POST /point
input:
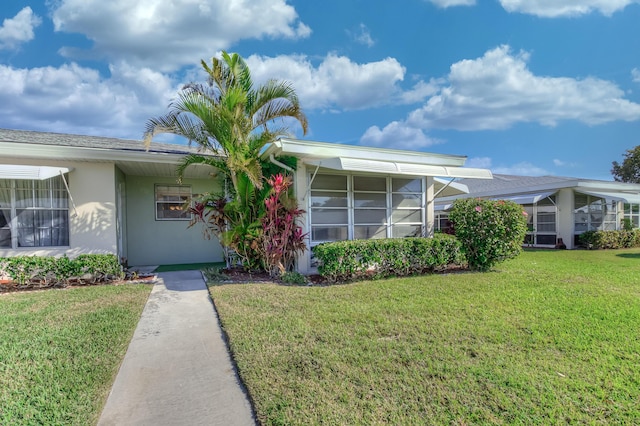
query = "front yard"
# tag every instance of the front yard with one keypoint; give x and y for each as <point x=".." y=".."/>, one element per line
<point x="550" y="337"/>
<point x="61" y="349"/>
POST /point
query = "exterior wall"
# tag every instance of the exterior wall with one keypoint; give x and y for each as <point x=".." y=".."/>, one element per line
<point x="92" y="225"/>
<point x="303" y="261"/>
<point x="153" y="242"/>
<point x="121" y="209"/>
<point x="565" y="221"/>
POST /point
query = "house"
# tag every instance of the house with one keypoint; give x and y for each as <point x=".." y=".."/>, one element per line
<point x="557" y="207"/>
<point x="71" y="194"/>
<point x="355" y="192"/>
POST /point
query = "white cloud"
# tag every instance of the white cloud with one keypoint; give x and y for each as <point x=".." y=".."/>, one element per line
<point x="19" y="29"/>
<point x="635" y="75"/>
<point x="497" y="91"/>
<point x="397" y="135"/>
<point x="478" y="162"/>
<point x="165" y="35"/>
<point x="420" y="91"/>
<point x="336" y="83"/>
<point x="449" y="3"/>
<point x="558" y="163"/>
<point x="362" y="35"/>
<point x="558" y="8"/>
<point x="78" y="100"/>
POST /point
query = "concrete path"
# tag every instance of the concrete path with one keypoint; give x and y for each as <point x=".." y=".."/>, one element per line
<point x="177" y="370"/>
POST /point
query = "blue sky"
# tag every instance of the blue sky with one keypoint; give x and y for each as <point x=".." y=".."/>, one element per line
<point x="528" y="87"/>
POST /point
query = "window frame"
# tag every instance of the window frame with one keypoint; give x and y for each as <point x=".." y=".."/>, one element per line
<point x="185" y="214"/>
<point x="387" y="227"/>
<point x="55" y="201"/>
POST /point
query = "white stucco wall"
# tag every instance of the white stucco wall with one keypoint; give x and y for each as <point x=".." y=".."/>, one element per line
<point x="92" y="224"/>
<point x="153" y="242"/>
<point x="564" y="203"/>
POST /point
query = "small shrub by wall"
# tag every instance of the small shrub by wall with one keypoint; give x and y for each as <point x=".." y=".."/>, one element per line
<point x="610" y="239"/>
<point x="490" y="231"/>
<point x="45" y="271"/>
<point x="370" y="259"/>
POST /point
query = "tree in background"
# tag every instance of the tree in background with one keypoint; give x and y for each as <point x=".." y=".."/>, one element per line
<point x="629" y="170"/>
<point x="231" y="120"/>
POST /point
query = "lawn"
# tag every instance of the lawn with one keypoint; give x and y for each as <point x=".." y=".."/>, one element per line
<point x="550" y="337"/>
<point x="61" y="349"/>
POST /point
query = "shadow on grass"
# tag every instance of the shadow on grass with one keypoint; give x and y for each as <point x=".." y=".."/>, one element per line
<point x="629" y="255"/>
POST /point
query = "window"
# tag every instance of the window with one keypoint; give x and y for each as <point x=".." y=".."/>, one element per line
<point x="365" y="207"/>
<point x="594" y="214"/>
<point x="541" y="222"/>
<point x="34" y="213"/>
<point x="632" y="212"/>
<point x="171" y="201"/>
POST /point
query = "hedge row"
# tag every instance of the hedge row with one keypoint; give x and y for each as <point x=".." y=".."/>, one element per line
<point x="370" y="259"/>
<point x="611" y="239"/>
<point x="48" y="271"/>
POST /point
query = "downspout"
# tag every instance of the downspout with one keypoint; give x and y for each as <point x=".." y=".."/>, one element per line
<point x="279" y="163"/>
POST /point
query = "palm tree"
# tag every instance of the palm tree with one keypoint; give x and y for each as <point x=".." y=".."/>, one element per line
<point x="232" y="119"/>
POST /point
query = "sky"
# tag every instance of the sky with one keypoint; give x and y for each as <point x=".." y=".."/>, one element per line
<point x="528" y="87"/>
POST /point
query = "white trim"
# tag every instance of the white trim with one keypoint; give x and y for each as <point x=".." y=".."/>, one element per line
<point x="24" y="172"/>
<point x="616" y="196"/>
<point x="526" y="198"/>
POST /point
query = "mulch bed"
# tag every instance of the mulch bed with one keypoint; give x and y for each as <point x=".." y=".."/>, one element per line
<point x="35" y="285"/>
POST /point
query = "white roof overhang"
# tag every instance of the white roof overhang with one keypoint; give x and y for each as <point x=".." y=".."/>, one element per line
<point x="399" y="168"/>
<point x="616" y="196"/>
<point x="526" y="198"/>
<point x="14" y="171"/>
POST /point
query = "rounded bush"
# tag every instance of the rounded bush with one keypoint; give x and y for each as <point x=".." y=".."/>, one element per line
<point x="490" y="231"/>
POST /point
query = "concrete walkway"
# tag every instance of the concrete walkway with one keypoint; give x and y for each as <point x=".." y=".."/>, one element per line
<point x="177" y="370"/>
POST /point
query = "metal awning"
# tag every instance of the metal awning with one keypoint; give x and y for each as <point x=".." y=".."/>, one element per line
<point x="526" y="198"/>
<point x="13" y="171"/>
<point x="616" y="196"/>
<point x="399" y="168"/>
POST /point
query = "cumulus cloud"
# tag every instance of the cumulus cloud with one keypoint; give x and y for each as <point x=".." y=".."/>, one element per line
<point x="75" y="99"/>
<point x="635" y="75"/>
<point x="497" y="91"/>
<point x="449" y="3"/>
<point x="560" y="8"/>
<point x="336" y="83"/>
<point x="398" y="135"/>
<point x="167" y="35"/>
<point x="18" y="29"/>
<point x="479" y="162"/>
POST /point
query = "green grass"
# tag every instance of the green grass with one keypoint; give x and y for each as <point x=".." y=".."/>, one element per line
<point x="61" y="349"/>
<point x="189" y="266"/>
<point x="550" y="337"/>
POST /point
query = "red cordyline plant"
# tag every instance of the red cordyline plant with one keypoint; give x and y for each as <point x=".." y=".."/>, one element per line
<point x="283" y="238"/>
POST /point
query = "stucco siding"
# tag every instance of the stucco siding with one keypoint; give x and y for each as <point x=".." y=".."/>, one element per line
<point x="155" y="242"/>
<point x="92" y="224"/>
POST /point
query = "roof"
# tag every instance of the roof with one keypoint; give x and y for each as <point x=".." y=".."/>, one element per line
<point x="131" y="156"/>
<point x="512" y="186"/>
<point x="91" y="142"/>
<point x="375" y="160"/>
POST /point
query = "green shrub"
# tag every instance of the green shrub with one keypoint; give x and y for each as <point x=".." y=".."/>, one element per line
<point x="49" y="270"/>
<point x="370" y="259"/>
<point x="293" y="278"/>
<point x="490" y="231"/>
<point x="610" y="239"/>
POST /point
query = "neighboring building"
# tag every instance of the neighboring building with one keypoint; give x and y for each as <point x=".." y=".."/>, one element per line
<point x="71" y="194"/>
<point x="558" y="207"/>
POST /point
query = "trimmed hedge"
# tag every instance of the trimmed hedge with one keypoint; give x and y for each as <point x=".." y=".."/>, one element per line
<point x="610" y="239"/>
<point x="371" y="259"/>
<point x="48" y="271"/>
